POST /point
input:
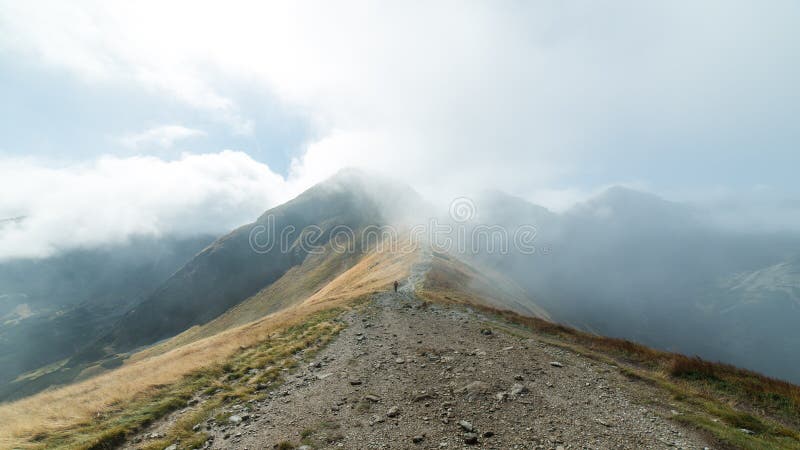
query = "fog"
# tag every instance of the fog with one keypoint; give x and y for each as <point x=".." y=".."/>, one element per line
<point x="549" y="102"/>
<point x="632" y="265"/>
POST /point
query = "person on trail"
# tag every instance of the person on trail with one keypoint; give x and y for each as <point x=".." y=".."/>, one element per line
<point x="395" y="285"/>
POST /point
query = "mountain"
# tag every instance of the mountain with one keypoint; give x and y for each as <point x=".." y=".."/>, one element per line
<point x="50" y="308"/>
<point x="305" y="341"/>
<point x="252" y="257"/>
<point x="351" y="362"/>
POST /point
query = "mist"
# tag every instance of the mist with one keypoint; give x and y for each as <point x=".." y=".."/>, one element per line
<point x="629" y="264"/>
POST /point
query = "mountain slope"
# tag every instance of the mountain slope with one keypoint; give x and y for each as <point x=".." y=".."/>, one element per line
<point x="51" y="308"/>
<point x="231" y="270"/>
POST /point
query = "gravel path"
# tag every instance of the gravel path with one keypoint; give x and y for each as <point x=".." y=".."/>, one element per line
<point x="407" y="375"/>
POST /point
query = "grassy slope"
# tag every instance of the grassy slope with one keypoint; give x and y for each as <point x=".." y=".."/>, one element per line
<point x="295" y="286"/>
<point x="100" y="410"/>
<point x="717" y="398"/>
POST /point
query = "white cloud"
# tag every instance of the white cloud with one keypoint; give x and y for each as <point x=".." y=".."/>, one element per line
<point x="162" y="137"/>
<point x="482" y="88"/>
<point x="112" y="199"/>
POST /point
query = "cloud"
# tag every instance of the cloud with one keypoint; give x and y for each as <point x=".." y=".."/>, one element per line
<point x="162" y="137"/>
<point x="550" y="101"/>
<point x="111" y="199"/>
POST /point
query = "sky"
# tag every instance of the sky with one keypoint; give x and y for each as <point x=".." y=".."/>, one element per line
<point x="123" y="118"/>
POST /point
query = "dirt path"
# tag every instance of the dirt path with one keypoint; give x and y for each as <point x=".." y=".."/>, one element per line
<point x="408" y="376"/>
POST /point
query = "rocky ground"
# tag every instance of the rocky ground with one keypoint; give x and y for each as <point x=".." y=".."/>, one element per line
<point x="409" y="375"/>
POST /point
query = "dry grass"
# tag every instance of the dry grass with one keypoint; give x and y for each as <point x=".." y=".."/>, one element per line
<point x="146" y="373"/>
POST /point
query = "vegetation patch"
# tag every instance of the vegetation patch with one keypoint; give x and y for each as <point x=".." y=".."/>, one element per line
<point x="208" y="390"/>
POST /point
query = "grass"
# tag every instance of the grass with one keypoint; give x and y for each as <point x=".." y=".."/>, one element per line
<point x="113" y="427"/>
<point x="101" y="410"/>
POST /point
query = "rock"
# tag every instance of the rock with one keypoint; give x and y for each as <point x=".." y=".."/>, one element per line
<point x="394" y="411"/>
<point x="518" y="389"/>
<point x="486" y="331"/>
<point x="355" y="382"/>
<point x="196" y="428"/>
<point x="746" y="431"/>
<point x="234" y="419"/>
<point x="488" y="434"/>
<point x="400" y="360"/>
<point x="466" y="426"/>
<point x="604" y="423"/>
<point x="418" y="439"/>
<point x="475" y="388"/>
<point x="304" y="447"/>
<point x="422" y="397"/>
<point x="518" y="378"/>
<point x="171" y="447"/>
<point x="556" y="364"/>
<point x="372" y="398"/>
<point x="470" y="438"/>
<point x="501" y="396"/>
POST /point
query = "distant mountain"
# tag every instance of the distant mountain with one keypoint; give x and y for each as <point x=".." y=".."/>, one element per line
<point x="633" y="265"/>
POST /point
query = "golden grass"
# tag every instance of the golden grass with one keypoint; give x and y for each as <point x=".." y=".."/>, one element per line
<point x="68" y="407"/>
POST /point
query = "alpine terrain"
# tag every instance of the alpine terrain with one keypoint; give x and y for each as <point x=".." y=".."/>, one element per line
<point x="388" y="340"/>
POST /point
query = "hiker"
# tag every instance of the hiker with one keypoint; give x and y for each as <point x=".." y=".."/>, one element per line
<point x="395" y="285"/>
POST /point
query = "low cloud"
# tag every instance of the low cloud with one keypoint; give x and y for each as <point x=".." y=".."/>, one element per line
<point x="112" y="199"/>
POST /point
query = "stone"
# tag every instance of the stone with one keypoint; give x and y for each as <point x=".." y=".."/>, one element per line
<point x="235" y="419"/>
<point x="556" y="364"/>
<point x="470" y="438"/>
<point x="518" y="389"/>
<point x="466" y="426"/>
